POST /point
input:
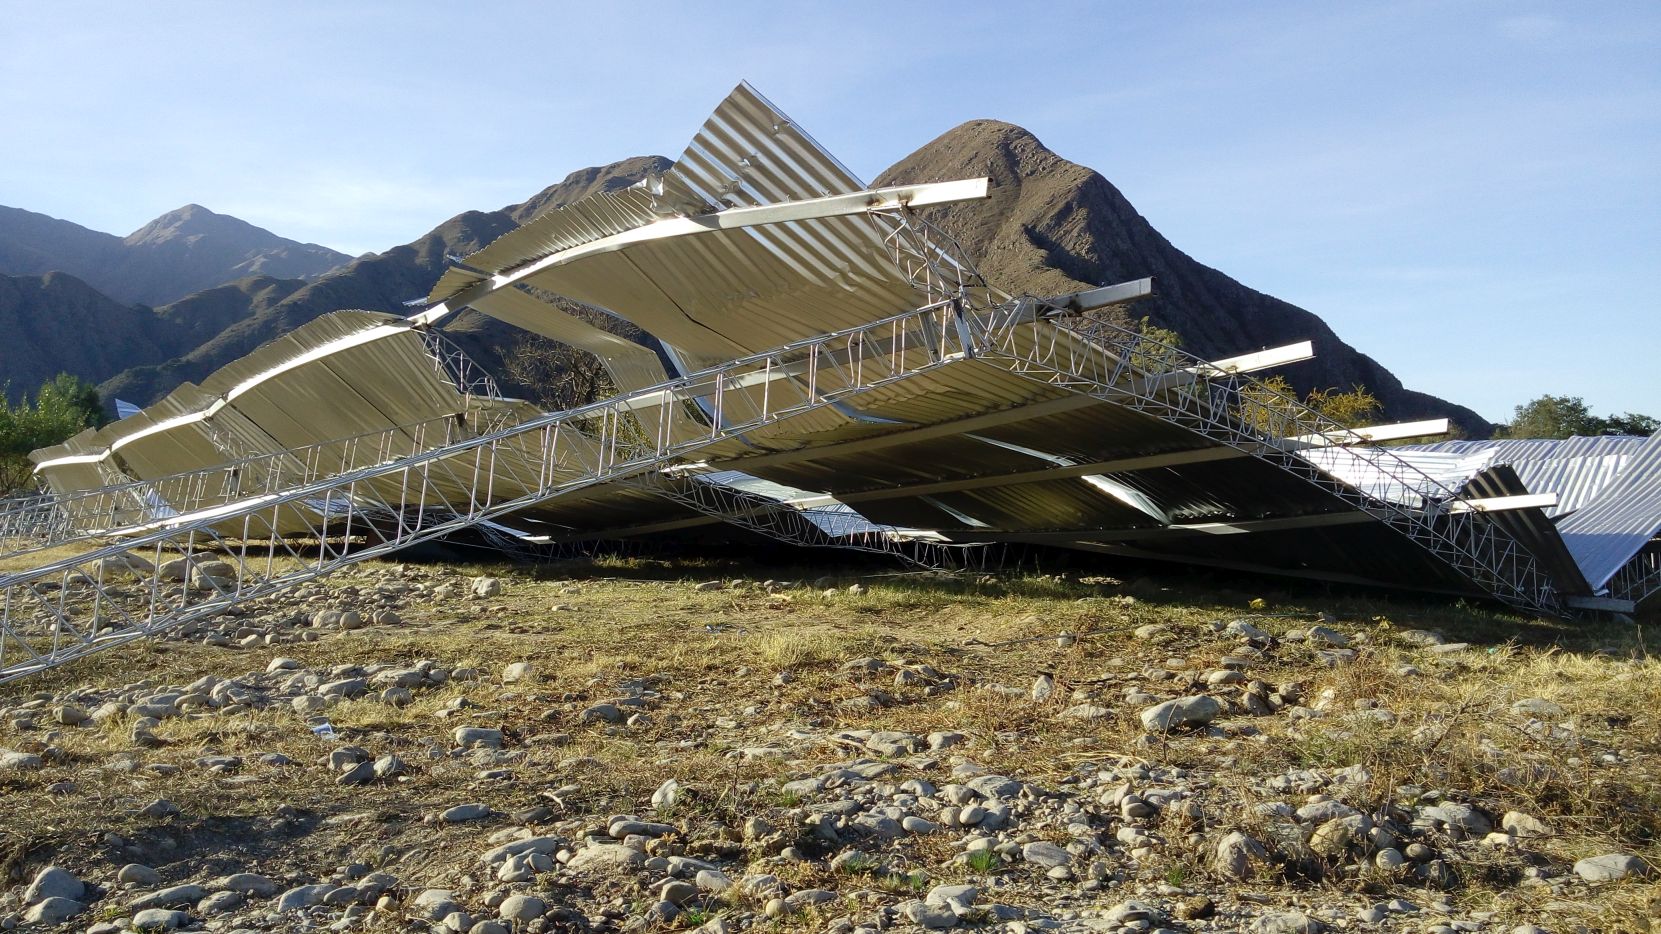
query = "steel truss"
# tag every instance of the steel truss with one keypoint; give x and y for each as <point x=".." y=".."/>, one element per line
<point x="195" y="564"/>
<point x="1640" y="578"/>
<point x="192" y="545"/>
<point x="814" y="528"/>
<point x="1243" y="413"/>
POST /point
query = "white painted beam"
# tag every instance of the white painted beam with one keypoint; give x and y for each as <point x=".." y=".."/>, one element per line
<point x="1260" y="359"/>
<point x="1502" y="503"/>
<point x="1375" y="433"/>
<point x="1092" y="299"/>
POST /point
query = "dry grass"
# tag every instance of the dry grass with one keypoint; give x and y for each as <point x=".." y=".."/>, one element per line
<point x="716" y="652"/>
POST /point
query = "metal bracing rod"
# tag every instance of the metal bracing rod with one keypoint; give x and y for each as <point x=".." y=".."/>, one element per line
<point x="807" y="528"/>
<point x="133" y="507"/>
<point x="1237" y="411"/>
<point x="107" y="596"/>
<point x="1640" y="578"/>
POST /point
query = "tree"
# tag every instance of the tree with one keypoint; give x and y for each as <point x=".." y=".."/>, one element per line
<point x="1567" y="416"/>
<point x="1268" y="403"/>
<point x="63" y="407"/>
<point x="557" y="376"/>
<point x="1164" y="349"/>
<point x="1631" y="424"/>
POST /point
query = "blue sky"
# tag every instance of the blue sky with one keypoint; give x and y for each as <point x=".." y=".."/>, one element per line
<point x="1468" y="191"/>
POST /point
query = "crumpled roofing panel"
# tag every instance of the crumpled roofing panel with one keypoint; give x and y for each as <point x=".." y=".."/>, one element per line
<point x="1626" y="515"/>
<point x="1576" y="469"/>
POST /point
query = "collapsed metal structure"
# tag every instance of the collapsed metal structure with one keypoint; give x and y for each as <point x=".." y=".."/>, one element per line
<point x="844" y="378"/>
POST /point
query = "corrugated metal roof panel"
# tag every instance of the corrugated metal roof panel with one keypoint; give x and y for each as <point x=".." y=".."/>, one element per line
<point x="1626" y="515"/>
<point x="1576" y="469"/>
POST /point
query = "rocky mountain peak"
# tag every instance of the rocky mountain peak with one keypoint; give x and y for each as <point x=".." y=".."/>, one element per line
<point x="1054" y="226"/>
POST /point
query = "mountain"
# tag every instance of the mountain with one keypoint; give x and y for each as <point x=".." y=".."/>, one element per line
<point x="379" y="282"/>
<point x="1052" y="226"/>
<point x="57" y="323"/>
<point x="175" y="255"/>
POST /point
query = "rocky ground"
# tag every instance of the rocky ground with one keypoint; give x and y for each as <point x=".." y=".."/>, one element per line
<point x="630" y="746"/>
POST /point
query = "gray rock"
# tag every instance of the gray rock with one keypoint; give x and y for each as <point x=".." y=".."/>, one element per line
<point x="809" y="898"/>
<point x="1045" y="854"/>
<point x="53" y="882"/>
<point x="914" y="824"/>
<point x="159" y="808"/>
<point x="489" y="927"/>
<point x="1524" y="825"/>
<point x="247" y="883"/>
<point x="136" y="874"/>
<point x="713" y="881"/>
<point x="485" y="587"/>
<point x="1463" y="816"/>
<point x="877" y="825"/>
<point x="177" y="896"/>
<point x="389" y="766"/>
<point x="1285" y="922"/>
<point x="602" y="713"/>
<point x="666" y="794"/>
<point x="521" y="908"/>
<point x="945" y="740"/>
<point x="360" y="774"/>
<point x="70" y="715"/>
<point x="606" y="856"/>
<point x="621" y="829"/>
<point x="435" y="904"/>
<point x="1610" y="867"/>
<point x="543" y="845"/>
<point x="1237" y="854"/>
<point x="345" y="687"/>
<point x="1043" y="687"/>
<point x="995" y="786"/>
<point x="159" y="919"/>
<point x="1195" y="711"/>
<point x="1328" y="636"/>
<point x="933" y="917"/>
<point x="53" y="910"/>
<point x="462" y="813"/>
<point x="678" y="892"/>
<point x="959" y="898"/>
<point x="19" y="761"/>
<point x="302" y="896"/>
<point x="470" y="736"/>
<point x="219" y="903"/>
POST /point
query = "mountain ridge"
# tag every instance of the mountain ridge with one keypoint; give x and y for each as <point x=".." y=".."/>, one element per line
<point x="381" y="282"/>
<point x="1052" y="226"/>
<point x="178" y="254"/>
